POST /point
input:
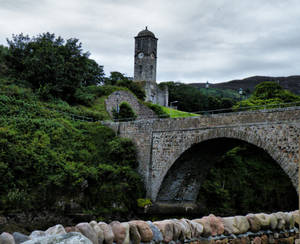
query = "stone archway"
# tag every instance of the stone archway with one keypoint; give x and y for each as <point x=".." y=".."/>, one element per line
<point x="170" y="145"/>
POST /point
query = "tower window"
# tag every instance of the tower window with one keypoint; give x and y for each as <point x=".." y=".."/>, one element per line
<point x="151" y="70"/>
<point x="139" y="44"/>
<point x="140" y="69"/>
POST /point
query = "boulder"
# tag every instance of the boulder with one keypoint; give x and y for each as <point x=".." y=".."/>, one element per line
<point x="253" y="222"/>
<point x="6" y="238"/>
<point x="119" y="232"/>
<point x="135" y="236"/>
<point x="273" y="221"/>
<point x="98" y="230"/>
<point x="37" y="234"/>
<point x="166" y="228"/>
<point x="290" y="220"/>
<point x="69" y="238"/>
<point x="187" y="232"/>
<point x="197" y="229"/>
<point x="88" y="232"/>
<point x="20" y="238"/>
<point x="71" y="229"/>
<point x="242" y="224"/>
<point x="157" y="235"/>
<point x="280" y="220"/>
<point x="144" y="230"/>
<point x="207" y="231"/>
<point x="107" y="232"/>
<point x="127" y="236"/>
<point x="56" y="230"/>
<point x="216" y="225"/>
<point x="177" y="230"/>
<point x="264" y="220"/>
<point x="296" y="216"/>
<point x="230" y="226"/>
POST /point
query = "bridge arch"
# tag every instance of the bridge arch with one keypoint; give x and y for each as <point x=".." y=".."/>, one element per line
<point x="187" y="139"/>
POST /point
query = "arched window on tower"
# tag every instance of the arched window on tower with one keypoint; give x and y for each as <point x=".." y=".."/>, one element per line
<point x="139" y="44"/>
<point x="151" y="70"/>
<point x="140" y="69"/>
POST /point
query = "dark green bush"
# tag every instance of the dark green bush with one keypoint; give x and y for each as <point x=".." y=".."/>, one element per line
<point x="125" y="113"/>
<point x="46" y="163"/>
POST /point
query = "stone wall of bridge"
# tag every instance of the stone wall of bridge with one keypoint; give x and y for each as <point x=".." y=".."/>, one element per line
<point x="160" y="142"/>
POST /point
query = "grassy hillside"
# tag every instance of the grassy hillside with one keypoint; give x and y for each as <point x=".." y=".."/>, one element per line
<point x="50" y="160"/>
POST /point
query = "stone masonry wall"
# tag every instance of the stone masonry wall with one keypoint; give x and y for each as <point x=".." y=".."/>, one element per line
<point x="141" y="110"/>
<point x="161" y="141"/>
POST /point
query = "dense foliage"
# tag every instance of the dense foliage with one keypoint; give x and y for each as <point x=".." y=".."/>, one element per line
<point x="49" y="161"/>
<point x="268" y="94"/>
<point x="125" y="113"/>
<point x="191" y="99"/>
<point x="50" y="65"/>
<point x="246" y="179"/>
<point x="119" y="79"/>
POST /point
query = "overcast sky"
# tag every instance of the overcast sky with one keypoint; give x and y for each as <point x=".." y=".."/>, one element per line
<point x="199" y="40"/>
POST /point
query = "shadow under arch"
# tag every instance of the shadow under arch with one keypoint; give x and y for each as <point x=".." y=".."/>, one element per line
<point x="183" y="180"/>
<point x="261" y="141"/>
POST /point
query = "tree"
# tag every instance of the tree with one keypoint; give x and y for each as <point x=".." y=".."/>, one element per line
<point x="49" y="62"/>
<point x="3" y="65"/>
<point x="119" y="79"/>
<point x="269" y="94"/>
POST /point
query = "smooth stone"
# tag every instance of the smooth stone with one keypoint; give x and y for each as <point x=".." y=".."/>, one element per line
<point x="254" y="222"/>
<point x="71" y="229"/>
<point x="20" y="238"/>
<point x="6" y="238"/>
<point x="230" y="226"/>
<point x="166" y="228"/>
<point x="98" y="230"/>
<point x="107" y="232"/>
<point x="127" y="229"/>
<point x="144" y="230"/>
<point x="135" y="236"/>
<point x="37" y="234"/>
<point x="290" y="220"/>
<point x="206" y="226"/>
<point x="119" y="232"/>
<point x="197" y="229"/>
<point x="242" y="224"/>
<point x="264" y="220"/>
<point x="187" y="232"/>
<point x="56" y="230"/>
<point x="157" y="235"/>
<point x="216" y="225"/>
<point x="88" y="232"/>
<point x="273" y="221"/>
<point x="69" y="238"/>
<point x="280" y="220"/>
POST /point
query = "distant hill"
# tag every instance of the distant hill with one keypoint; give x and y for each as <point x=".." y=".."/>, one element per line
<point x="291" y="83"/>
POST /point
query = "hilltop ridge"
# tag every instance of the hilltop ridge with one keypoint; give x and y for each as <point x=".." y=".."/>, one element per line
<point x="291" y="83"/>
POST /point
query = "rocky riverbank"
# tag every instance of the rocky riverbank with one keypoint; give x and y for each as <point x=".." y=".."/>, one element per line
<point x="253" y="228"/>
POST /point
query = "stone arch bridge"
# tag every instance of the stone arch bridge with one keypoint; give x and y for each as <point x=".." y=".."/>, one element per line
<point x="161" y="142"/>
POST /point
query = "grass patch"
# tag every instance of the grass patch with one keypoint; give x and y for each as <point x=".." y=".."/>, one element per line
<point x="173" y="113"/>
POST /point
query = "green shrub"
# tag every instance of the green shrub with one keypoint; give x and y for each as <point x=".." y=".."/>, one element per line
<point x="143" y="202"/>
<point x="157" y="110"/>
<point x="125" y="113"/>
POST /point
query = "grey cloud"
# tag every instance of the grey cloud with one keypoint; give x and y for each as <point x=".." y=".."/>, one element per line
<point x="199" y="40"/>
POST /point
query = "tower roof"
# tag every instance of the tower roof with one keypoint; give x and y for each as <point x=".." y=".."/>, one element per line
<point x="145" y="32"/>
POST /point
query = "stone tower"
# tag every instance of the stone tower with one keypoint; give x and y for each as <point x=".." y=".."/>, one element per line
<point x="145" y="56"/>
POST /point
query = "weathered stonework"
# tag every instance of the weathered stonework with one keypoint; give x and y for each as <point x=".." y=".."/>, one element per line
<point x="145" y="60"/>
<point x="115" y="100"/>
<point x="160" y="142"/>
